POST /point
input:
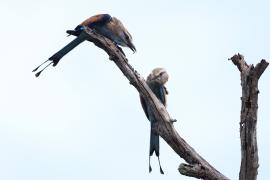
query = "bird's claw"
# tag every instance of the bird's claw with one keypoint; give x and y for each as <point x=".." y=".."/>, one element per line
<point x="173" y="120"/>
<point x="119" y="48"/>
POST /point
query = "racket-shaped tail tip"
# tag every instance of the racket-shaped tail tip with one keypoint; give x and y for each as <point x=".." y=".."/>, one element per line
<point x="150" y="169"/>
<point x="34" y="70"/>
<point x="40" y="65"/>
<point x="37" y="74"/>
<point x="161" y="171"/>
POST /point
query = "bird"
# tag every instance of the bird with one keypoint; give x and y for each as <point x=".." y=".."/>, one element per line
<point x="156" y="81"/>
<point x="104" y="24"/>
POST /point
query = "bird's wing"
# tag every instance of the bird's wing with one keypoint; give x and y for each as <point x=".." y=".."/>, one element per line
<point x="161" y="96"/>
<point x="144" y="106"/>
<point x="99" y="19"/>
<point x="163" y="92"/>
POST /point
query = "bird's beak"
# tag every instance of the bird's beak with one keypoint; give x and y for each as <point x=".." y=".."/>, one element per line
<point x="132" y="47"/>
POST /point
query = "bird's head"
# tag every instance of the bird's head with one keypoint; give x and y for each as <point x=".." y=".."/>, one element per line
<point x="124" y="37"/>
<point x="128" y="41"/>
<point x="159" y="76"/>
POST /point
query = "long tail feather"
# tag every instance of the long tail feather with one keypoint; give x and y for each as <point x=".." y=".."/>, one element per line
<point x="38" y="73"/>
<point x="150" y="168"/>
<point x="154" y="147"/>
<point x="154" y="143"/>
<point x="61" y="53"/>
<point x="40" y="65"/>
<point x="160" y="168"/>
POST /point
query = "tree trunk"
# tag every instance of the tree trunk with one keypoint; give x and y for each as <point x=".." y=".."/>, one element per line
<point x="248" y="120"/>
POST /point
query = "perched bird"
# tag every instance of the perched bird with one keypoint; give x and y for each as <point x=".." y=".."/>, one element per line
<point x="155" y="81"/>
<point x="103" y="24"/>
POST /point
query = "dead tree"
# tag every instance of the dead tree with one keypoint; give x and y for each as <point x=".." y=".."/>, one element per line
<point x="250" y="76"/>
<point x="197" y="166"/>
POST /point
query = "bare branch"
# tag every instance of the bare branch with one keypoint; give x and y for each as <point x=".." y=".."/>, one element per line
<point x="239" y="61"/>
<point x="195" y="170"/>
<point x="248" y="119"/>
<point x="164" y="127"/>
<point x="260" y="67"/>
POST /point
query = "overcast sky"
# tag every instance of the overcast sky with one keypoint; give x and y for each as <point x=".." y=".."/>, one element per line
<point x="83" y="120"/>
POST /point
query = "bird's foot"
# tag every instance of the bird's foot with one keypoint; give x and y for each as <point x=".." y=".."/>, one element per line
<point x="119" y="48"/>
<point x="173" y="120"/>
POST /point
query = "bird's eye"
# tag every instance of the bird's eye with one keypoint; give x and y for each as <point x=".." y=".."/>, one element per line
<point x="161" y="73"/>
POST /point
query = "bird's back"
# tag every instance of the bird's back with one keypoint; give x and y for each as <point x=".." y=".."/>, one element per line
<point x="97" y="20"/>
<point x="113" y="30"/>
<point x="159" y="91"/>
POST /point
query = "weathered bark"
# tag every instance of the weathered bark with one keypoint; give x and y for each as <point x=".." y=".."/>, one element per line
<point x="248" y="120"/>
<point x="164" y="127"/>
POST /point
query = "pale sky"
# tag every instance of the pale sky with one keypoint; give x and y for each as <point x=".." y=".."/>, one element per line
<point x="83" y="120"/>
